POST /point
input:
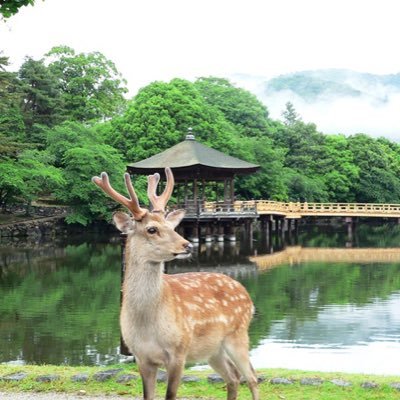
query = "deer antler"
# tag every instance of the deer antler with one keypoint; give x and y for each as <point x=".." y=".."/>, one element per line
<point x="131" y="204"/>
<point x="159" y="202"/>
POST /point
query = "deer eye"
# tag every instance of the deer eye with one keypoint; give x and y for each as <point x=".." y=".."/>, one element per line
<point x="152" y="230"/>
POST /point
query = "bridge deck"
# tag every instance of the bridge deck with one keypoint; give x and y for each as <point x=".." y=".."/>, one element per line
<point x="298" y="210"/>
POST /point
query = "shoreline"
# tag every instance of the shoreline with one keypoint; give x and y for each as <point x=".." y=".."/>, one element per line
<point x="124" y="380"/>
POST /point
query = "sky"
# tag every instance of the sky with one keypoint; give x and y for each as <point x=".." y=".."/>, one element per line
<point x="160" y="40"/>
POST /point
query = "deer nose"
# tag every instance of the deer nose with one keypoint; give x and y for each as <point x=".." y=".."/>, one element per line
<point x="188" y="247"/>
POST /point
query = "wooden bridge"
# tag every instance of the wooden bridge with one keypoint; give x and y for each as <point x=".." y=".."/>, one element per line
<point x="221" y="219"/>
<point x="293" y="255"/>
<point x="291" y="210"/>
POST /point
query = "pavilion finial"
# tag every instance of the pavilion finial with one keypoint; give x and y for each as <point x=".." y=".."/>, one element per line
<point x="190" y="135"/>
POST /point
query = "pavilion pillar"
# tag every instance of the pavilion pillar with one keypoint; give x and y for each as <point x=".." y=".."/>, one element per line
<point x="226" y="191"/>
<point x="195" y="196"/>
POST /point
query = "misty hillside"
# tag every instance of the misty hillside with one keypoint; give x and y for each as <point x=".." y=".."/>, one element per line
<point x="330" y="83"/>
<point x="337" y="100"/>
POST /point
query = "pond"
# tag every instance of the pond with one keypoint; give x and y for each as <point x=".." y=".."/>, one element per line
<point x="322" y="303"/>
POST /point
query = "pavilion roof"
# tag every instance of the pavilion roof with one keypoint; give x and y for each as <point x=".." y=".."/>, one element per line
<point x="190" y="155"/>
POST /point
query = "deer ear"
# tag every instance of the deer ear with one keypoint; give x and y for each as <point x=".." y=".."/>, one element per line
<point x="123" y="222"/>
<point x="175" y="217"/>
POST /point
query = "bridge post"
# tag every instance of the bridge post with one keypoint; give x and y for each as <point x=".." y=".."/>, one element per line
<point x="195" y="237"/>
<point x="350" y="229"/>
<point x="232" y="232"/>
<point x="266" y="228"/>
<point x="248" y="226"/>
<point x="221" y="232"/>
<point x="209" y="236"/>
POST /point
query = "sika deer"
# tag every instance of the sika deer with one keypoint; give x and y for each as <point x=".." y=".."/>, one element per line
<point x="173" y="319"/>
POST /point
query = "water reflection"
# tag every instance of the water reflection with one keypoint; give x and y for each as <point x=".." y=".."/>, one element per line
<point x="60" y="301"/>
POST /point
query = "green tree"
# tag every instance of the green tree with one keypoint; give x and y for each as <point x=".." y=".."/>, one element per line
<point x="159" y="117"/>
<point x="239" y="106"/>
<point x="378" y="181"/>
<point x="77" y="150"/>
<point x="91" y="87"/>
<point x="24" y="179"/>
<point x="82" y="163"/>
<point x="290" y="116"/>
<point x="42" y="102"/>
<point x="11" y="119"/>
<point x="10" y="7"/>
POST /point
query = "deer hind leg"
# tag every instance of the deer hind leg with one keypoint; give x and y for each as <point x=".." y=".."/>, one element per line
<point x="237" y="347"/>
<point x="222" y="364"/>
<point x="148" y="372"/>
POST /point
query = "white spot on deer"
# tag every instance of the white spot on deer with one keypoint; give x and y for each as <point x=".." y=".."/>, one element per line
<point x="191" y="306"/>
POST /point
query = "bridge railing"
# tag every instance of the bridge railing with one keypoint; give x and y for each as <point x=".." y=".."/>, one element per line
<point x="237" y="207"/>
<point x="292" y="209"/>
<point x="323" y="208"/>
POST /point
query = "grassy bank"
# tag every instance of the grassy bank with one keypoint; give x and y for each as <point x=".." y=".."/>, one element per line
<point x="298" y="389"/>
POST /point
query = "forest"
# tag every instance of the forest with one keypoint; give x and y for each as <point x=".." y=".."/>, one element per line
<point x="66" y="117"/>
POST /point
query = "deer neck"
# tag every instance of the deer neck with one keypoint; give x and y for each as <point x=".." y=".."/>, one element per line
<point x="143" y="282"/>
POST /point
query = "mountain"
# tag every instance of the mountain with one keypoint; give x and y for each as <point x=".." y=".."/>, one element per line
<point x="337" y="100"/>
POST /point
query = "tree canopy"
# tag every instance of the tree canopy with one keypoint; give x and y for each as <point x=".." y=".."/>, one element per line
<point x="9" y="8"/>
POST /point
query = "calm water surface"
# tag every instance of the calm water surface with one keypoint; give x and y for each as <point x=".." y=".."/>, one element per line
<point x="322" y="303"/>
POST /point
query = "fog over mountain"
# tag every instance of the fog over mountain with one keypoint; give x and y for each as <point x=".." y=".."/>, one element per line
<point x="338" y="101"/>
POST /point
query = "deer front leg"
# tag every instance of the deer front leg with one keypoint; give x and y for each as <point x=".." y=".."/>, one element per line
<point x="174" y="370"/>
<point x="148" y="372"/>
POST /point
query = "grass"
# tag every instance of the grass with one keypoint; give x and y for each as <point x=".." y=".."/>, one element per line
<point x="203" y="389"/>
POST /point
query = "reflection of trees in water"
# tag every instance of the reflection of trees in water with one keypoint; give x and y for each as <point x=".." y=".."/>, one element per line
<point x="300" y="292"/>
<point x="60" y="302"/>
<point x="74" y="305"/>
<point x="371" y="234"/>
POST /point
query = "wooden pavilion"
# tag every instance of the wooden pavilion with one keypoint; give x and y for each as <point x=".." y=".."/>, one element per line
<point x="202" y="174"/>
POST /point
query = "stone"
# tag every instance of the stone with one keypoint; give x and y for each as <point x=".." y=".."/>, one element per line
<point x="369" y="385"/>
<point x="105" y="375"/>
<point x="341" y="382"/>
<point x="190" y="378"/>
<point x="47" y="378"/>
<point x="162" y="376"/>
<point x="80" y="378"/>
<point x="281" y="381"/>
<point x="125" y="378"/>
<point x="395" y="385"/>
<point x="214" y="378"/>
<point x="260" y="379"/>
<point x="15" y="377"/>
<point x="311" y="381"/>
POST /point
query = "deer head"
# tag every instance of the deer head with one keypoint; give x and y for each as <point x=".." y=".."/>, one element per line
<point x="152" y="231"/>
